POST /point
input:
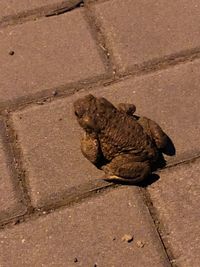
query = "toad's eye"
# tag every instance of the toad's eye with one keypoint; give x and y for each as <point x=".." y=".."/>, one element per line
<point x="79" y="113"/>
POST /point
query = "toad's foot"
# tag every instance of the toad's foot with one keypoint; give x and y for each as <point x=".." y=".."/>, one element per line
<point x="90" y="147"/>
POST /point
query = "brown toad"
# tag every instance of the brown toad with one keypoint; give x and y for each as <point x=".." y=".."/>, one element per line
<point x="124" y="145"/>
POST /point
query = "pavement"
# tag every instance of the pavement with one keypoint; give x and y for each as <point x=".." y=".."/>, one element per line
<point x="55" y="209"/>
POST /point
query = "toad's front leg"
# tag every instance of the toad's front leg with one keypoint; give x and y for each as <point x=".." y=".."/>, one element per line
<point x="90" y="147"/>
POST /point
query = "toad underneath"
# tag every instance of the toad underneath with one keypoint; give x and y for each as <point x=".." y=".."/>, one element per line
<point x="122" y="144"/>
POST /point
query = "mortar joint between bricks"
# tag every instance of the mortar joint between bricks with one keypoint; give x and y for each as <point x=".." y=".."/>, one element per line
<point x="99" y="37"/>
<point x="17" y="160"/>
<point x="47" y="96"/>
<point x="34" y="213"/>
<point x="70" y="89"/>
<point x="156" y="221"/>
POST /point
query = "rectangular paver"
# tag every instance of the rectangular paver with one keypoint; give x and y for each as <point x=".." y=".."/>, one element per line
<point x="87" y="234"/>
<point x="138" y="31"/>
<point x="10" y="195"/>
<point x="50" y="135"/>
<point x="176" y="197"/>
<point x="48" y="53"/>
<point x="51" y="150"/>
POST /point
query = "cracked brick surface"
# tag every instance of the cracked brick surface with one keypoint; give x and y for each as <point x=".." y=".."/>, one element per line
<point x="143" y="31"/>
<point x="48" y="53"/>
<point x="10" y="194"/>
<point x="91" y="232"/>
<point x="176" y="199"/>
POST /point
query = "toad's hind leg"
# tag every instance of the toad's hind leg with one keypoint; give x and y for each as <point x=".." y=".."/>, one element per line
<point x="123" y="167"/>
<point x="155" y="132"/>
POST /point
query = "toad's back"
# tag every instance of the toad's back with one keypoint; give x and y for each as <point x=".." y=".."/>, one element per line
<point x="122" y="134"/>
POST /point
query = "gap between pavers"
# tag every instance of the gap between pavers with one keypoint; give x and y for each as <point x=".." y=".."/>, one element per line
<point x="12" y="203"/>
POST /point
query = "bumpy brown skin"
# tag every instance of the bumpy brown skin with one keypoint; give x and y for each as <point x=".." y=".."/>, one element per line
<point x="128" y="145"/>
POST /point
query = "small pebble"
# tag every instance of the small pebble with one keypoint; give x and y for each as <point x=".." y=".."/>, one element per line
<point x="39" y="103"/>
<point x="127" y="238"/>
<point x="173" y="261"/>
<point x="140" y="244"/>
<point x="75" y="260"/>
<point x="55" y="93"/>
<point x="11" y="52"/>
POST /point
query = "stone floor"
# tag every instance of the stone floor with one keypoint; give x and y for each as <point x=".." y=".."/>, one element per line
<point x="55" y="209"/>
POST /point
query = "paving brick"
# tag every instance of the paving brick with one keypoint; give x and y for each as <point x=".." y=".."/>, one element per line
<point x="139" y="32"/>
<point x="10" y="195"/>
<point x="176" y="198"/>
<point x="91" y="232"/>
<point x="51" y="150"/>
<point x="49" y="134"/>
<point x="49" y="52"/>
